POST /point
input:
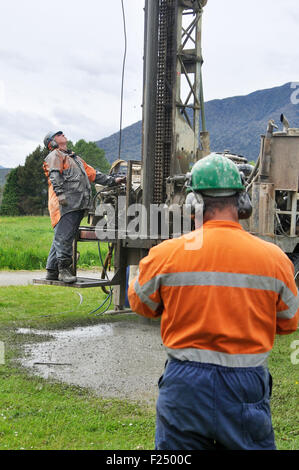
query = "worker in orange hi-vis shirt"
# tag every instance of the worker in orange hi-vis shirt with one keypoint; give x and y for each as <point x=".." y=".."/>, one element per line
<point x="69" y="197"/>
<point x="221" y="303"/>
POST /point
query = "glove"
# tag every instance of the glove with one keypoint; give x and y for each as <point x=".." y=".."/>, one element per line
<point x="122" y="179"/>
<point x="62" y="199"/>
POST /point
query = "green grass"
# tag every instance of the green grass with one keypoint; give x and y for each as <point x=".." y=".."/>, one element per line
<point x="36" y="414"/>
<point x="39" y="415"/>
<point x="285" y="397"/>
<point x="44" y="306"/>
<point x="26" y="241"/>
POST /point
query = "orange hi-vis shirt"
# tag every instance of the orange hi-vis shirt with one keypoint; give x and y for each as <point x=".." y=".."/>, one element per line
<point x="221" y="302"/>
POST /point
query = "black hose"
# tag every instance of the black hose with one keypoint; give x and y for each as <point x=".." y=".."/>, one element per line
<point x="122" y="79"/>
<point x="109" y="296"/>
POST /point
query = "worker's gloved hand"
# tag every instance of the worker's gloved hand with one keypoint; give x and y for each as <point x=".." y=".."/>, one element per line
<point x="120" y="180"/>
<point x="62" y="199"/>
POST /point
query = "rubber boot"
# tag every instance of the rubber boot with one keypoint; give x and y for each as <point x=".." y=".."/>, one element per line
<point x="65" y="273"/>
<point x="52" y="275"/>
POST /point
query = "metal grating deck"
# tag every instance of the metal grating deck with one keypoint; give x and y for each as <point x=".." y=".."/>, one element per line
<point x="82" y="282"/>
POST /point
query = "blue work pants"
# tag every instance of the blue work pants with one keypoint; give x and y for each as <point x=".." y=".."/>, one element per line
<point x="211" y="407"/>
<point x="64" y="235"/>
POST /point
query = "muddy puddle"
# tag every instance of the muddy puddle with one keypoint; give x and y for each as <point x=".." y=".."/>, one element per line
<point x="121" y="359"/>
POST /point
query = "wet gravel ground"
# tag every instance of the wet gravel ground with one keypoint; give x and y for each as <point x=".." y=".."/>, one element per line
<point x="120" y="359"/>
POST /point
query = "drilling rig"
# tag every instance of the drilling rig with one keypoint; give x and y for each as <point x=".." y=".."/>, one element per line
<point x="174" y="137"/>
<point x="174" y="134"/>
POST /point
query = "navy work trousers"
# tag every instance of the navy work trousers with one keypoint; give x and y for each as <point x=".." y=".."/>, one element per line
<point x="211" y="407"/>
<point x="64" y="235"/>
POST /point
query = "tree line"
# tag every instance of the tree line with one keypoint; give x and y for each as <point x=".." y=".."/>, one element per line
<point x="26" y="188"/>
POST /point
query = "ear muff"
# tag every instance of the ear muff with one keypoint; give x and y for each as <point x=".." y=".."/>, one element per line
<point x="196" y="203"/>
<point x="244" y="205"/>
<point x="244" y="202"/>
<point x="195" y="200"/>
<point x="52" y="145"/>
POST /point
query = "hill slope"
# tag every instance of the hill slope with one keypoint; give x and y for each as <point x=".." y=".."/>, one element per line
<point x="3" y="173"/>
<point x="234" y="123"/>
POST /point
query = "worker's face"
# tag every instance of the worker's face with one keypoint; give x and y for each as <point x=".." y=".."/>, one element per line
<point x="60" y="139"/>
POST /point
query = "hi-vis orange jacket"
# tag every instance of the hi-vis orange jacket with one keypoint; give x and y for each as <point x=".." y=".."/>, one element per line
<point x="222" y="303"/>
<point x="70" y="176"/>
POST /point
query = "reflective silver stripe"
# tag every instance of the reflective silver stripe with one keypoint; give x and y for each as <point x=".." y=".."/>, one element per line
<point x="218" y="358"/>
<point x="291" y="301"/>
<point x="205" y="278"/>
<point x="144" y="298"/>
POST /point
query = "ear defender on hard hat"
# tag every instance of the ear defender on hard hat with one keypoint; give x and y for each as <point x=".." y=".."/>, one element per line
<point x="195" y="201"/>
<point x="244" y="205"/>
<point x="217" y="176"/>
<point x="244" y="202"/>
<point x="52" y="145"/>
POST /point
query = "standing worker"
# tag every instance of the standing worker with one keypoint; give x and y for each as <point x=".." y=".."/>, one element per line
<point x="220" y="306"/>
<point x="69" y="179"/>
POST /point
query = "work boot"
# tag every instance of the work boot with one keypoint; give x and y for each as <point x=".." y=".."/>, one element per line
<point x="65" y="273"/>
<point x="52" y="275"/>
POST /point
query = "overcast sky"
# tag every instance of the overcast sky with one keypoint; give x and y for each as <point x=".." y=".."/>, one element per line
<point x="61" y="63"/>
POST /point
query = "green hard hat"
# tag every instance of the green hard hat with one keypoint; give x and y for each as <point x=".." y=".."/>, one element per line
<point x="216" y="175"/>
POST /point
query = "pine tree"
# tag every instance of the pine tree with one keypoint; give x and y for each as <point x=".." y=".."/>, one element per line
<point x="11" y="194"/>
<point x="33" y="184"/>
<point x="91" y="153"/>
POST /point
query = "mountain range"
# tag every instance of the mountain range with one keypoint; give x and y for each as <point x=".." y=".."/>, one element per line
<point x="3" y="173"/>
<point x="234" y="124"/>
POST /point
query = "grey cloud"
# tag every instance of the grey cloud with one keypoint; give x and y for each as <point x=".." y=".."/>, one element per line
<point x="21" y="133"/>
<point x="88" y="80"/>
<point x="77" y="125"/>
<point x="25" y="125"/>
<point x="18" y="61"/>
<point x="96" y="67"/>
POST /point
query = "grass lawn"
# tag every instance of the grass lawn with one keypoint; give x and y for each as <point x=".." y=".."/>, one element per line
<point x="35" y="414"/>
<point x="26" y="241"/>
